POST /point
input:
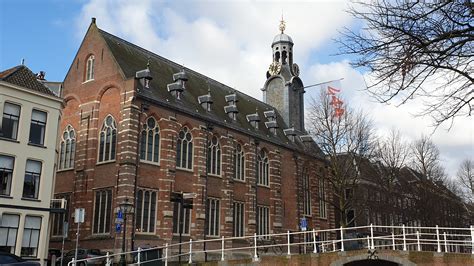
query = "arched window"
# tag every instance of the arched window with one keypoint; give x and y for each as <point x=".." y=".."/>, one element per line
<point x="107" y="140"/>
<point x="214" y="156"/>
<point x="150" y="141"/>
<point x="283" y="58"/>
<point x="239" y="162"/>
<point x="90" y="68"/>
<point x="184" y="149"/>
<point x="67" y="149"/>
<point x="262" y="168"/>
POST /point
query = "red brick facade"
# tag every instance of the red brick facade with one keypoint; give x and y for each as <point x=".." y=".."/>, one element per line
<point x="111" y="93"/>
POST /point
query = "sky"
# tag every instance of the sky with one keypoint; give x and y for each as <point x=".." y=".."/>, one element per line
<point x="229" y="41"/>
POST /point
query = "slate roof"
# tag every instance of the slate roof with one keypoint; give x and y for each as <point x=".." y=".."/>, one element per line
<point x="132" y="58"/>
<point x="23" y="77"/>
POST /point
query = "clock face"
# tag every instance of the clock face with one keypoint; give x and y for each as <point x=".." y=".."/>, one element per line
<point x="296" y="69"/>
<point x="274" y="68"/>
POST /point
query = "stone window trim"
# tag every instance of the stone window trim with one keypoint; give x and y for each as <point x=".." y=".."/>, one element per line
<point x="67" y="149"/>
<point x="32" y="179"/>
<point x="7" y="167"/>
<point x="263" y="226"/>
<point x="238" y="210"/>
<point x="214" y="156"/>
<point x="38" y="128"/>
<point x="145" y="216"/>
<point x="239" y="163"/>
<point x="89" y="68"/>
<point x="184" y="150"/>
<point x="213" y="221"/>
<point x="11" y="114"/>
<point x="107" y="150"/>
<point x="101" y="224"/>
<point x="150" y="149"/>
<point x="10" y="222"/>
<point x="177" y="219"/>
<point x="31" y="236"/>
<point x="263" y="169"/>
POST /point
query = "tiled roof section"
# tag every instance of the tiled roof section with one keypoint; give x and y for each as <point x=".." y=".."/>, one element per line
<point x="23" y="77"/>
<point x="132" y="58"/>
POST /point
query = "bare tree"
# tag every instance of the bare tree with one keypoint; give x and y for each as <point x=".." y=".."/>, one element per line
<point x="413" y="49"/>
<point x="345" y="139"/>
<point x="465" y="177"/>
<point x="426" y="159"/>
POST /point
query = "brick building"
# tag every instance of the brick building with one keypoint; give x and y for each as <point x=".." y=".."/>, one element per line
<point x="249" y="162"/>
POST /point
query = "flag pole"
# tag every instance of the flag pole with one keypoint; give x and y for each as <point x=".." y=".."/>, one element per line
<point x="317" y="84"/>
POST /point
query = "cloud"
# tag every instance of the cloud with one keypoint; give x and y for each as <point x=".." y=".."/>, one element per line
<point x="229" y="41"/>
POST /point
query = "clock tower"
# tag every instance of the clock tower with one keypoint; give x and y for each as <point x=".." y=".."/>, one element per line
<point x="283" y="88"/>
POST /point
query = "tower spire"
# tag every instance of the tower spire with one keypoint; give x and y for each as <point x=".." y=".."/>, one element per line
<point x="282" y="24"/>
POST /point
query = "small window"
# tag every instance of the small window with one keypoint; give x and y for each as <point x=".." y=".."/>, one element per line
<point x="184" y="149"/>
<point x="262" y="169"/>
<point x="107" y="140"/>
<point x="239" y="163"/>
<point x="37" y="127"/>
<point x="214" y="156"/>
<point x="239" y="215"/>
<point x="32" y="179"/>
<point x="31" y="235"/>
<point x="150" y="141"/>
<point x="9" y="224"/>
<point x="213" y="219"/>
<point x="263" y="216"/>
<point x="6" y="172"/>
<point x="67" y="149"/>
<point x="90" y="68"/>
<point x="11" y="116"/>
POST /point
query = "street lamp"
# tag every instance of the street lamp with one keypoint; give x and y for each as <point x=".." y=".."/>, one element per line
<point x="126" y="208"/>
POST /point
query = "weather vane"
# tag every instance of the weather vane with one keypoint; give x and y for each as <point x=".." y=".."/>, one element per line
<point x="282" y="24"/>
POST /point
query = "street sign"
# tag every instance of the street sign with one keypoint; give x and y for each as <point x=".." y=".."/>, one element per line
<point x="303" y="224"/>
<point x="120" y="214"/>
<point x="79" y="215"/>
<point x="118" y="227"/>
<point x="191" y="195"/>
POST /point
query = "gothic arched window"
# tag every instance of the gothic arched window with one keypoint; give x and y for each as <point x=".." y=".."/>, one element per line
<point x="90" y="67"/>
<point x="262" y="168"/>
<point x="67" y="148"/>
<point x="107" y="140"/>
<point x="239" y="162"/>
<point x="150" y="141"/>
<point x="214" y="156"/>
<point x="184" y="149"/>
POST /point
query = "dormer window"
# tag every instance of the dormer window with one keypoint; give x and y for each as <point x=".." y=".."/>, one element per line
<point x="271" y="124"/>
<point x="205" y="101"/>
<point x="253" y="120"/>
<point x="177" y="88"/>
<point x="90" y="68"/>
<point x="231" y="109"/>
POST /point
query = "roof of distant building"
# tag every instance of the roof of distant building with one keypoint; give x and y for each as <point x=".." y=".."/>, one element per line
<point x="23" y="77"/>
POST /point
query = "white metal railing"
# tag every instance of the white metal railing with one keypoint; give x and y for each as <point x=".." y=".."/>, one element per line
<point x="435" y="239"/>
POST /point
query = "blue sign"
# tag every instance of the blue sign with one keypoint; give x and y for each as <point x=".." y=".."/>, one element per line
<point x="120" y="214"/>
<point x="118" y="228"/>
<point x="303" y="224"/>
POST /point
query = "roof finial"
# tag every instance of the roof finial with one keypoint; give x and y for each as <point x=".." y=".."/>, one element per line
<point x="282" y="24"/>
<point x="148" y="63"/>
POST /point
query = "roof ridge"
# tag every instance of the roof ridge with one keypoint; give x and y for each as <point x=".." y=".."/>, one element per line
<point x="182" y="66"/>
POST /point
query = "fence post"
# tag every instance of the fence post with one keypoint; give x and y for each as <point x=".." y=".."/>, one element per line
<point x="334" y="245"/>
<point x="372" y="237"/>
<point x="418" y="240"/>
<point x="288" y="243"/>
<point x="445" y="243"/>
<point x="368" y="242"/>
<point x="315" y="249"/>
<point x="255" y="256"/>
<point x="73" y="262"/>
<point x="393" y="240"/>
<point x="107" y="259"/>
<point x="139" y="256"/>
<point x="222" y="249"/>
<point x="472" y="239"/>
<point x="190" y="251"/>
<point x="166" y="254"/>
<point x="404" y="238"/>
<point x="437" y="239"/>
<point x="342" y="240"/>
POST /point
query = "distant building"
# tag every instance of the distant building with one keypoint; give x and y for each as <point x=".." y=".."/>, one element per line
<point x="138" y="127"/>
<point x="28" y="133"/>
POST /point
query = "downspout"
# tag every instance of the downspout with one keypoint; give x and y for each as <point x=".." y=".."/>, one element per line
<point x="206" y="207"/>
<point x="256" y="141"/>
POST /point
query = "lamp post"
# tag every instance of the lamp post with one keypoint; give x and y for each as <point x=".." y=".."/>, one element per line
<point x="126" y="208"/>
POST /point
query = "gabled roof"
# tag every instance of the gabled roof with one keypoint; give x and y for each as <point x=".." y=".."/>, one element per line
<point x="23" y="77"/>
<point x="132" y="58"/>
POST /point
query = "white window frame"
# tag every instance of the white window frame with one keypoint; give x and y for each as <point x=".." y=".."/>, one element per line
<point x="214" y="156"/>
<point x="140" y="212"/>
<point x="177" y="219"/>
<point x="35" y="175"/>
<point x="15" y="117"/>
<point x="150" y="148"/>
<point x="105" y="144"/>
<point x="238" y="218"/>
<point x="102" y="215"/>
<point x="263" y="168"/>
<point x="7" y="228"/>
<point x="29" y="231"/>
<point x="263" y="226"/>
<point x="35" y="113"/>
<point x="184" y="143"/>
<point x="67" y="149"/>
<point x="239" y="162"/>
<point x="90" y="62"/>
<point x="7" y="167"/>
<point x="213" y="219"/>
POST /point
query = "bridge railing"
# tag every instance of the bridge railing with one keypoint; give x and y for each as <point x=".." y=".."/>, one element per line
<point x="371" y="237"/>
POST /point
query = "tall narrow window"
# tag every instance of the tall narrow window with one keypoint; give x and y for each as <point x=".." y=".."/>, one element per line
<point x="306" y="194"/>
<point x="6" y="172"/>
<point x="238" y="218"/>
<point x="102" y="211"/>
<point x="57" y="227"/>
<point x="67" y="149"/>
<point x="37" y="127"/>
<point x="11" y="116"/>
<point x="181" y="219"/>
<point x="262" y="168"/>
<point x="150" y="141"/>
<point x="31" y="235"/>
<point x="107" y="140"/>
<point x="145" y="214"/>
<point x="90" y="68"/>
<point x="263" y="215"/>
<point x="239" y="162"/>
<point x="213" y="217"/>
<point x="8" y="232"/>
<point x="32" y="179"/>
<point x="184" y="149"/>
<point x="322" y="199"/>
<point x="214" y="156"/>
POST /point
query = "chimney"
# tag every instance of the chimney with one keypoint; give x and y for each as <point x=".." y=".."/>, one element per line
<point x="40" y="75"/>
<point x="93" y="20"/>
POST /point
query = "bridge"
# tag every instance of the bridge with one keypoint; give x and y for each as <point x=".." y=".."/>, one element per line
<point x="353" y="246"/>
